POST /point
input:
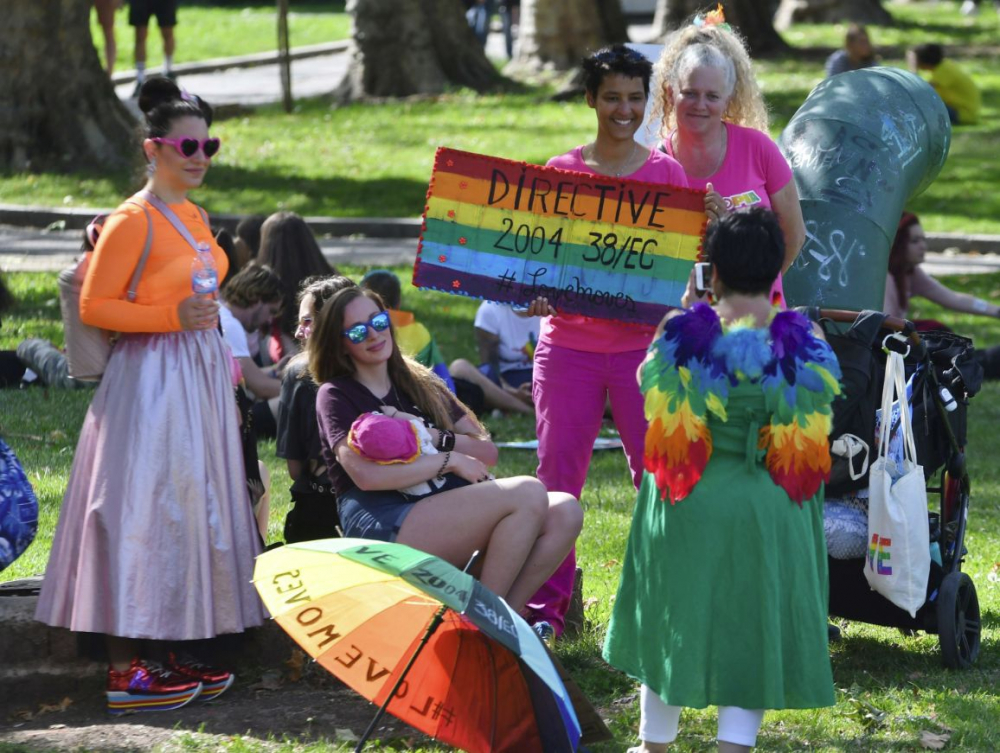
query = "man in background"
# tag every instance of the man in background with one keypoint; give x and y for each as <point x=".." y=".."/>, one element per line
<point x="139" y="13"/>
<point x="858" y="53"/>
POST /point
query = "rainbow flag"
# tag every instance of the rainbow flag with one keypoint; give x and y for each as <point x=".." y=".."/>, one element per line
<point x="594" y="245"/>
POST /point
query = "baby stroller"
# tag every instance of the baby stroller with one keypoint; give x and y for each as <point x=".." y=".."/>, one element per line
<point x="944" y="377"/>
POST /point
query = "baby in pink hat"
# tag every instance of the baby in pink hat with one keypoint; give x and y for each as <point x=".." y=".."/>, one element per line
<point x="386" y="440"/>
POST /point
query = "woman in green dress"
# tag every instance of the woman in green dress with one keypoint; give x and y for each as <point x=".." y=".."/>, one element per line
<point x="723" y="596"/>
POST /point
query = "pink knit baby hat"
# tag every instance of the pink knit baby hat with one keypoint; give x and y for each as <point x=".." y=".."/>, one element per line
<point x="384" y="440"/>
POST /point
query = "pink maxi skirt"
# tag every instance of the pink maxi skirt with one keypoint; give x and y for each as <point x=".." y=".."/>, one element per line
<point x="156" y="538"/>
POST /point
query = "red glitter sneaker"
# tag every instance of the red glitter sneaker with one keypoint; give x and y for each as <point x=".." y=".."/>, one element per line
<point x="214" y="681"/>
<point x="147" y="686"/>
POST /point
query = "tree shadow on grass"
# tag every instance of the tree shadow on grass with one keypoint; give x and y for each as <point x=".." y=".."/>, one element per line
<point x="300" y="6"/>
<point x="895" y="659"/>
<point x="990" y="617"/>
<point x="958" y="34"/>
<point x="266" y="190"/>
<point x="37" y="301"/>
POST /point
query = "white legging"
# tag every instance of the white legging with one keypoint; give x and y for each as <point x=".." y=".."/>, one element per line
<point x="659" y="722"/>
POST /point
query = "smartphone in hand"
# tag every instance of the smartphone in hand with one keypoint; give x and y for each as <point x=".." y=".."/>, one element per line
<point x="702" y="277"/>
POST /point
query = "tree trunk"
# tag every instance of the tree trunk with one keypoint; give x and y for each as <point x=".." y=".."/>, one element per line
<point x="752" y="18"/>
<point x="401" y="47"/>
<point x="284" y="57"/>
<point x="830" y="11"/>
<point x="58" y="109"/>
<point x="671" y="14"/>
<point x="612" y="20"/>
<point x="558" y="34"/>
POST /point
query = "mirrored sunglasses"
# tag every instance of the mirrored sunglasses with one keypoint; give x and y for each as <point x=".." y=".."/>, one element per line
<point x="187" y="146"/>
<point x="357" y="334"/>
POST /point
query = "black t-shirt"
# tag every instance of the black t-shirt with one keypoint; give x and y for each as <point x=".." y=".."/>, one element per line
<point x="298" y="432"/>
<point x="340" y="401"/>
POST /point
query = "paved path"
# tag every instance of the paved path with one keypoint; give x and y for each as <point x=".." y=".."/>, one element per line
<point x="245" y="81"/>
<point x="259" y="85"/>
<point x="31" y="250"/>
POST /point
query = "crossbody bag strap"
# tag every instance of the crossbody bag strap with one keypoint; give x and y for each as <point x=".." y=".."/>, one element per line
<point x="134" y="282"/>
<point x="167" y="212"/>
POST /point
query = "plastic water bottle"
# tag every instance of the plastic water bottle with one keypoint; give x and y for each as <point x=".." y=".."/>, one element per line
<point x="204" y="274"/>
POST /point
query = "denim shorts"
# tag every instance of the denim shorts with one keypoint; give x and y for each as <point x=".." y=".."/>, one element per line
<point x="380" y="514"/>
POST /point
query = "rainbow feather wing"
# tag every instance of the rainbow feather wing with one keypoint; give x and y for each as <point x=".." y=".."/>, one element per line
<point x="682" y="382"/>
<point x="800" y="385"/>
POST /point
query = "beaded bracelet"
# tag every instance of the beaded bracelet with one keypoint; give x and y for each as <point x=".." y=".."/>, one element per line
<point x="440" y="473"/>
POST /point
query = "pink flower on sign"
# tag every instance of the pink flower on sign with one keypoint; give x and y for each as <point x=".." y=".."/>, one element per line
<point x="442" y="258"/>
<point x="450" y="163"/>
<point x="451" y="213"/>
<point x="462" y="240"/>
<point x="456" y="284"/>
<point x="464" y="184"/>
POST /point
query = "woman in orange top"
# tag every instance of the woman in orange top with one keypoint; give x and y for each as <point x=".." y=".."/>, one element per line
<point x="156" y="538"/>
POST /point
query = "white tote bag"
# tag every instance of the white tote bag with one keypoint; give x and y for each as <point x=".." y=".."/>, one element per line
<point x="899" y="561"/>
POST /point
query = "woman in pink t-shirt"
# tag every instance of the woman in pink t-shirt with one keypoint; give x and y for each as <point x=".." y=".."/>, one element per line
<point x="580" y="362"/>
<point x="715" y="125"/>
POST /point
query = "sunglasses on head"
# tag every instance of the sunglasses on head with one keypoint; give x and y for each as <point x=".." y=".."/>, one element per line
<point x="359" y="332"/>
<point x="188" y="146"/>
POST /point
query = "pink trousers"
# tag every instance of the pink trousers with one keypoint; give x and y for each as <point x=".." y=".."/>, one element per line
<point x="570" y="388"/>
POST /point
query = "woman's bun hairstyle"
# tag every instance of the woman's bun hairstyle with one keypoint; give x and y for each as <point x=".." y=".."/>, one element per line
<point x="162" y="102"/>
<point x="746" y="248"/>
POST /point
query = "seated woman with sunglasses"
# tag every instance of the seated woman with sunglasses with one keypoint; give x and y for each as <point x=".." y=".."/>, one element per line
<point x="522" y="531"/>
<point x="156" y="538"/>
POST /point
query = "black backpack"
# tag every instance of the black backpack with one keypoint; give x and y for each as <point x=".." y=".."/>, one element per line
<point x="854" y="410"/>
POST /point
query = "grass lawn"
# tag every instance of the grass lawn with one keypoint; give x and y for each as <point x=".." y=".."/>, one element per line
<point x="375" y="160"/>
<point x="207" y="29"/>
<point x="891" y="687"/>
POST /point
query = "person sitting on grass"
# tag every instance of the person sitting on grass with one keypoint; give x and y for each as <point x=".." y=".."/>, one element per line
<point x="857" y="53"/>
<point x="907" y="279"/>
<point x="313" y="514"/>
<point x="251" y="300"/>
<point x="39" y="361"/>
<point x="18" y="504"/>
<point x="247" y="240"/>
<point x="470" y="385"/>
<point x="523" y="531"/>
<point x="288" y="246"/>
<point x="955" y="87"/>
<point x="506" y="343"/>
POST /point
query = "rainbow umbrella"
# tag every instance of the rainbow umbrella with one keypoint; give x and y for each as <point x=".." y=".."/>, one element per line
<point x="424" y="640"/>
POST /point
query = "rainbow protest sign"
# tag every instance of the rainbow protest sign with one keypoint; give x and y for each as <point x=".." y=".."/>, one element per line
<point x="594" y="245"/>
